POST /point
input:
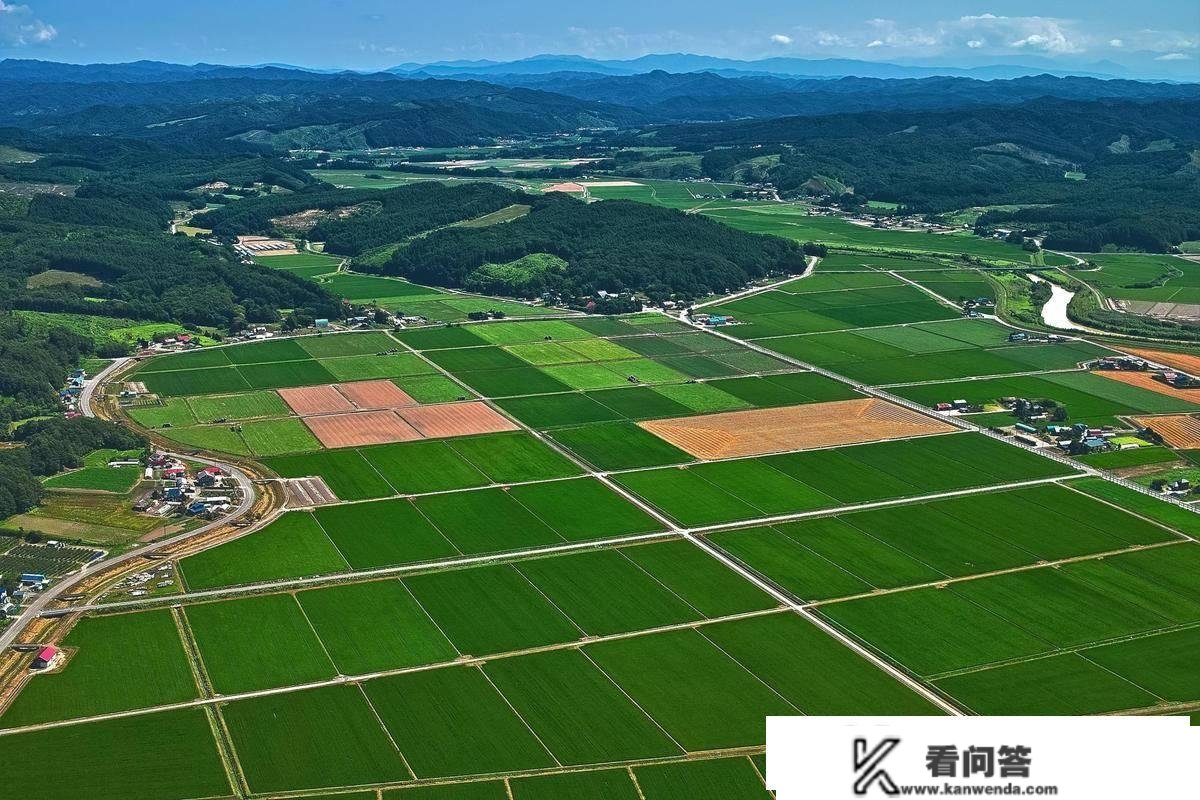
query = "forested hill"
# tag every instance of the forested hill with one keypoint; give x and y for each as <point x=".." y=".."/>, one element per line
<point x="101" y="210"/>
<point x="616" y="245"/>
<point x="351" y="221"/>
<point x="1135" y="165"/>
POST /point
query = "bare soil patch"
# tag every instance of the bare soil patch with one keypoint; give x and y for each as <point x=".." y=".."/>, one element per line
<point x="376" y="394"/>
<point x="456" y="419"/>
<point x="1146" y="380"/>
<point x="360" y="428"/>
<point x="770" y="430"/>
<point x="315" y="400"/>
<point x="1179" y="430"/>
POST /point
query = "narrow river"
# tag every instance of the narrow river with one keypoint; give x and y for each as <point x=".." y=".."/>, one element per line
<point x="1054" y="313"/>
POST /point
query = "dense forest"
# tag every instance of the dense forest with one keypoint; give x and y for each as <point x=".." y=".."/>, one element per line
<point x="110" y="225"/>
<point x="1136" y="176"/>
<point x="357" y="220"/>
<point x="617" y="245"/>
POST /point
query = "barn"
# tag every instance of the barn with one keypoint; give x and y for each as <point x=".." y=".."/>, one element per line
<point x="45" y="657"/>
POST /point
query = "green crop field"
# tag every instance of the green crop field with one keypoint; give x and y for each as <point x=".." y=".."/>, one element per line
<point x="486" y="521"/>
<point x="454" y="722"/>
<point x="292" y="545"/>
<point x="351" y="344"/>
<point x="366" y="627"/>
<point x="553" y="692"/>
<point x="101" y="478"/>
<point x="794" y="223"/>
<point x="271" y="437"/>
<point x="105" y="754"/>
<point x="116" y="663"/>
<point x="320" y="738"/>
<point x="345" y="471"/>
<point x="520" y="617"/>
<point x="273" y="627"/>
<point x="583" y="509"/>
<point x="173" y="411"/>
<point x="218" y="438"/>
<point x="423" y="466"/>
<point x="299" y="260"/>
<point x="238" y="406"/>
<point x="383" y="533"/>
<point x="618" y="445"/>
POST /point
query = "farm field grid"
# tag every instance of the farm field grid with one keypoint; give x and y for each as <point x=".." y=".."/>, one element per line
<point x="674" y="533"/>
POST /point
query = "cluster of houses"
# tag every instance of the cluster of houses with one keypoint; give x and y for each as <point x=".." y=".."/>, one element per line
<point x="1028" y="337"/>
<point x="1167" y="375"/>
<point x="208" y="493"/>
<point x="28" y="583"/>
<point x="975" y="307"/>
<point x="68" y="395"/>
<point x="714" y="320"/>
<point x="142" y="583"/>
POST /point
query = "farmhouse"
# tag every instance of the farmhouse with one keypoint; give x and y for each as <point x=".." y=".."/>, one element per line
<point x="45" y="657"/>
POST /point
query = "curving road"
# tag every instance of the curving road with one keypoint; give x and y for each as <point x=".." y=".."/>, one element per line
<point x="41" y="603"/>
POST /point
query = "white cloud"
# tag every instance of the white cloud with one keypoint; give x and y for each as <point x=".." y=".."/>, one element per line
<point x="1115" y="43"/>
<point x="1174" y="57"/>
<point x="780" y="38"/>
<point x="986" y="32"/>
<point x="827" y="39"/>
<point x="19" y="27"/>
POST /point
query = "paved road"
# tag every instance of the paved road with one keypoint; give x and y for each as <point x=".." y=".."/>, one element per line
<point x="42" y="602"/>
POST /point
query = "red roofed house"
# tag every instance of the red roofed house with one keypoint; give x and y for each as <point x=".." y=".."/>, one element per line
<point x="211" y="471"/>
<point x="44" y="657"/>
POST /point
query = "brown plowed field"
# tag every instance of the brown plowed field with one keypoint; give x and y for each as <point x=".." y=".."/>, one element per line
<point x="1146" y="380"/>
<point x="455" y="419"/>
<point x="315" y="400"/>
<point x="771" y="430"/>
<point x="375" y="394"/>
<point x="1181" y="361"/>
<point x="1179" y="430"/>
<point x="359" y="428"/>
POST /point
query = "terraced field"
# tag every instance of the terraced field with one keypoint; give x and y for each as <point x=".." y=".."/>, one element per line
<point x="588" y="607"/>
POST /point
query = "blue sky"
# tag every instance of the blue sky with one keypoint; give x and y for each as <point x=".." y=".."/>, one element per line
<point x="366" y="34"/>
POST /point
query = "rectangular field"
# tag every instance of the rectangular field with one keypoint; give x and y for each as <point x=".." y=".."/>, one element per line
<point x="748" y="433"/>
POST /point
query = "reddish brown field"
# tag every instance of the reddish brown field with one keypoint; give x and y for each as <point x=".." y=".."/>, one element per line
<point x="359" y="428"/>
<point x="1179" y="430"/>
<point x="771" y="430"/>
<point x="1146" y="380"/>
<point x="376" y="394"/>
<point x="1181" y="361"/>
<point x="455" y="419"/>
<point x="315" y="400"/>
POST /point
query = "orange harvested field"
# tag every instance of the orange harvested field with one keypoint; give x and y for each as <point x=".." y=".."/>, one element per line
<point x="573" y="188"/>
<point x="1146" y="380"/>
<point x="456" y="419"/>
<point x="359" y="428"/>
<point x="772" y="430"/>
<point x="315" y="400"/>
<point x="1179" y="430"/>
<point x="1181" y="361"/>
<point x="376" y="394"/>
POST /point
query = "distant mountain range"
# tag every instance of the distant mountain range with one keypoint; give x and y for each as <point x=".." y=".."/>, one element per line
<point x="782" y="66"/>
<point x="286" y="107"/>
